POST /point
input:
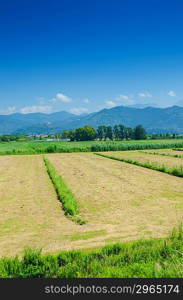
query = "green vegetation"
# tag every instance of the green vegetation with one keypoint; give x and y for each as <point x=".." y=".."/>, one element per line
<point x="135" y="145"/>
<point x="41" y="147"/>
<point x="10" y="138"/>
<point x="178" y="149"/>
<point x="153" y="258"/>
<point x="173" y="171"/>
<point x="118" y="132"/>
<point x="65" y="195"/>
<point x="86" y="235"/>
<point x="139" y="133"/>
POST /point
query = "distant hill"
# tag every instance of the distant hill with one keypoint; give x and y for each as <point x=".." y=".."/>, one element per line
<point x="33" y="122"/>
<point x="153" y="119"/>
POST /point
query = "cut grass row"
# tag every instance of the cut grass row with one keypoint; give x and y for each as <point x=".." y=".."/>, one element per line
<point x="178" y="149"/>
<point x="163" y="154"/>
<point x="154" y="258"/>
<point x="65" y="195"/>
<point x="172" y="171"/>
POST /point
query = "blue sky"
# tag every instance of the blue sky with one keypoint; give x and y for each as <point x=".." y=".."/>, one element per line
<point x="84" y="55"/>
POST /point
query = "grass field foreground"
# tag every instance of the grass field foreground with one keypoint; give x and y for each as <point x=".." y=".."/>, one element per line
<point x="148" y="258"/>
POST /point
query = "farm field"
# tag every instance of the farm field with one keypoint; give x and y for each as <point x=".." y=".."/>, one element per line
<point x="164" y="152"/>
<point x="119" y="201"/>
<point x="30" y="213"/>
<point x="127" y="201"/>
<point x="156" y="160"/>
<point x="37" y="147"/>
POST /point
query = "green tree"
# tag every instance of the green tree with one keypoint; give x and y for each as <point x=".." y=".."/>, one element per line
<point x="121" y="132"/>
<point x="100" y="133"/>
<point x="87" y="133"/>
<point x="116" y="132"/>
<point x="109" y="132"/>
<point x="139" y="133"/>
<point x="128" y="133"/>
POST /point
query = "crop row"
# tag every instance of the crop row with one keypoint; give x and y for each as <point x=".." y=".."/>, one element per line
<point x="163" y="154"/>
<point x="65" y="195"/>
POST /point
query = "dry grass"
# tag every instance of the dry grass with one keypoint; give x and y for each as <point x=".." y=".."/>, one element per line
<point x="127" y="201"/>
<point x="157" y="160"/>
<point x="120" y="202"/>
<point x="162" y="151"/>
<point x="30" y="214"/>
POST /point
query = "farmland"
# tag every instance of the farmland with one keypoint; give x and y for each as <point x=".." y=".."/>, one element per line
<point x="156" y="160"/>
<point x="114" y="201"/>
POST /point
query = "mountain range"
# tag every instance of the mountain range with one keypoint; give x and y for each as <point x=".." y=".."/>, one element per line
<point x="153" y="119"/>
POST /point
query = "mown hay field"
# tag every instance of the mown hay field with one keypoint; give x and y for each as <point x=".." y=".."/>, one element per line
<point x="30" y="213"/>
<point x="119" y="201"/>
<point x="163" y="151"/>
<point x="127" y="201"/>
<point x="157" y="160"/>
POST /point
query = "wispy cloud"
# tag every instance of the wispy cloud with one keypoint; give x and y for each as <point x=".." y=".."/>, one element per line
<point x="60" y="98"/>
<point x="171" y="94"/>
<point x="87" y="101"/>
<point x="110" y="103"/>
<point x="145" y="95"/>
<point x="36" y="109"/>
<point x="125" y="99"/>
<point x="9" y="110"/>
<point x="40" y="100"/>
<point x="78" y="110"/>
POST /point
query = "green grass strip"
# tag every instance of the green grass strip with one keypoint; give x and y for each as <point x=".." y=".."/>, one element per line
<point x="163" y="154"/>
<point x="152" y="258"/>
<point x="177" y="149"/>
<point x="65" y="195"/>
<point x="174" y="171"/>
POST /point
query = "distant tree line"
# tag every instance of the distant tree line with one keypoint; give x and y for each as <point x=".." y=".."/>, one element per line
<point x="89" y="133"/>
<point x="9" y="138"/>
<point x="103" y="133"/>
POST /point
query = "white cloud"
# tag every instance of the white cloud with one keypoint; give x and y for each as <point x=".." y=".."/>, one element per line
<point x="60" y="98"/>
<point x="87" y="101"/>
<point x="123" y="97"/>
<point x="78" y="110"/>
<point x="145" y="95"/>
<point x="52" y="100"/>
<point x="110" y="103"/>
<point x="171" y="94"/>
<point x="41" y="100"/>
<point x="9" y="110"/>
<point x="36" y="109"/>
